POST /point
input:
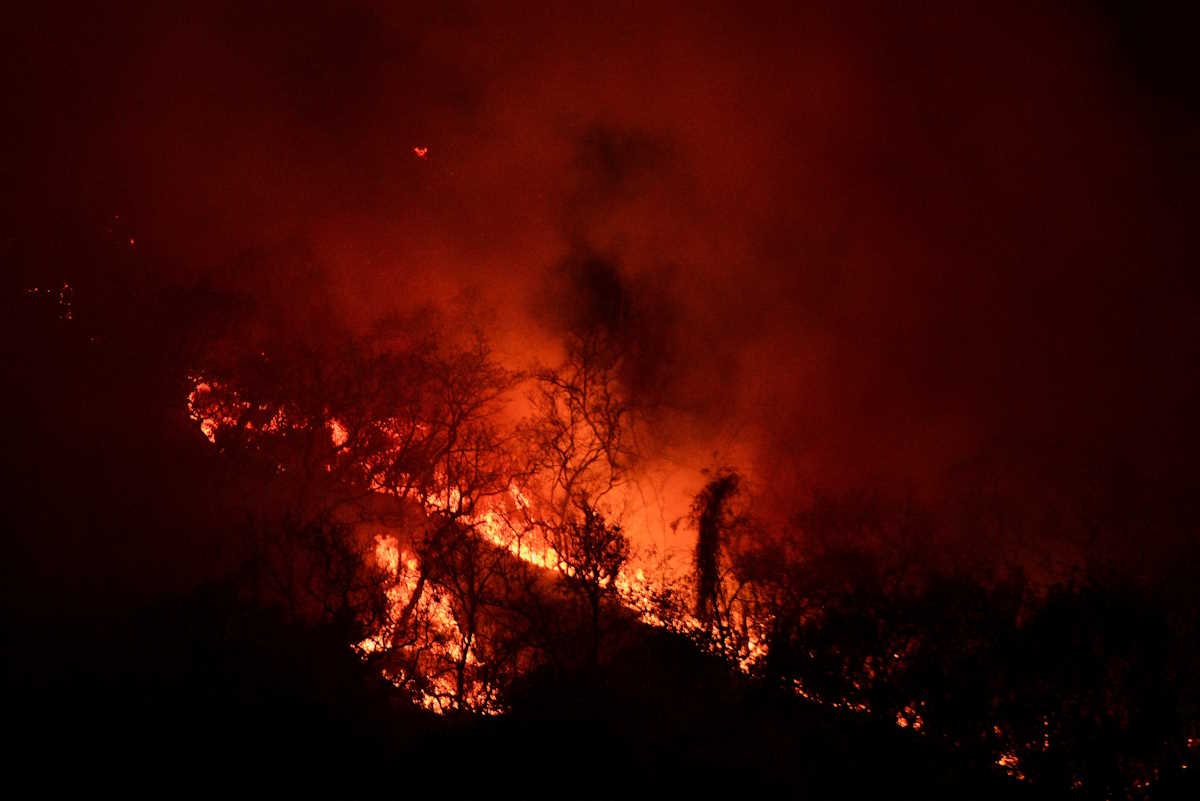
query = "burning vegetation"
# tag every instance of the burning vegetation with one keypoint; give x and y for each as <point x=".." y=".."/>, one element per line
<point x="474" y="520"/>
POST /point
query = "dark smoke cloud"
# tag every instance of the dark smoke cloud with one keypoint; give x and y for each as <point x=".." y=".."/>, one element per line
<point x="864" y="244"/>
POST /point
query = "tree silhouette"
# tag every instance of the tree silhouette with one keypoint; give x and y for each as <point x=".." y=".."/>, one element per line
<point x="590" y="553"/>
<point x="580" y="439"/>
<point x="579" y="444"/>
<point x="712" y="517"/>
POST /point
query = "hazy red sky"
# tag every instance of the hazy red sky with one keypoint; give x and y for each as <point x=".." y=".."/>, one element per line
<point x="875" y="243"/>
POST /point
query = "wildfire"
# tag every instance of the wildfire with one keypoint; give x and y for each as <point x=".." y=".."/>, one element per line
<point x="436" y="695"/>
<point x="338" y="433"/>
<point x="450" y="656"/>
<point x="506" y="522"/>
<point x="198" y="410"/>
<point x="1011" y="764"/>
<point x="909" y="717"/>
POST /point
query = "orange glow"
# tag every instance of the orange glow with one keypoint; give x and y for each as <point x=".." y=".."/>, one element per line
<point x="338" y="433"/>
<point x="909" y="717"/>
<point x="506" y="521"/>
<point x="1011" y="762"/>
<point x="448" y="671"/>
<point x="421" y="152"/>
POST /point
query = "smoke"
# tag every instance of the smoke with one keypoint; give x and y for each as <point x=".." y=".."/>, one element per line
<point x="850" y="245"/>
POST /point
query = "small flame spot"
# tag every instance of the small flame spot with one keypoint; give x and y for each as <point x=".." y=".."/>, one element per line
<point x="338" y="433"/>
<point x="421" y="152"/>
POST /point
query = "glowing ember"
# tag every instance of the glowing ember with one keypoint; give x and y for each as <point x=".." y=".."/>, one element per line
<point x="338" y="433"/>
<point x="421" y="152"/>
<point x="1011" y="762"/>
